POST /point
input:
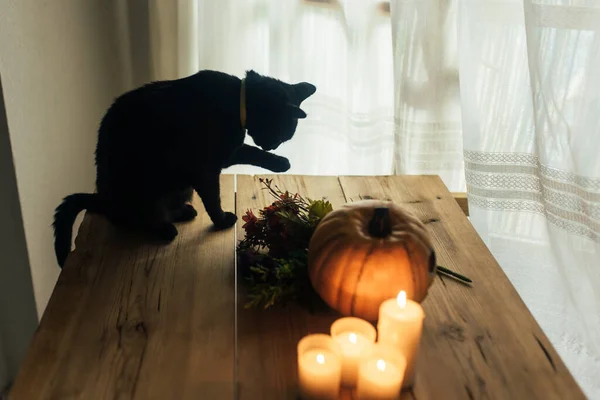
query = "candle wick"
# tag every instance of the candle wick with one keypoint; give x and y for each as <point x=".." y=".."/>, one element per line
<point x="320" y="359"/>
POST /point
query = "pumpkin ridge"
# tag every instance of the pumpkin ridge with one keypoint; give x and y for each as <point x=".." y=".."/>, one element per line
<point x="417" y="269"/>
<point x="412" y="268"/>
<point x="314" y="247"/>
<point x="418" y="241"/>
<point x="329" y="242"/>
<point x="350" y="255"/>
<point x="325" y="261"/>
<point x="323" y="234"/>
<point x="429" y="248"/>
<point x="362" y="268"/>
<point x="421" y="232"/>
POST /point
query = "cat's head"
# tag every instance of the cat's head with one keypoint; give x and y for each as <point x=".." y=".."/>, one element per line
<point x="273" y="109"/>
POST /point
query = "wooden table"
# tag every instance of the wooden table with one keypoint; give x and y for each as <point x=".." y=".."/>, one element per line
<point x="129" y="319"/>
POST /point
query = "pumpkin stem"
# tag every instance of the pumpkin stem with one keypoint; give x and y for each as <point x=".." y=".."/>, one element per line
<point x="380" y="225"/>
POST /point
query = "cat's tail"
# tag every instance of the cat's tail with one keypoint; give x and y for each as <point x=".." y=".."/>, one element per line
<point x="64" y="218"/>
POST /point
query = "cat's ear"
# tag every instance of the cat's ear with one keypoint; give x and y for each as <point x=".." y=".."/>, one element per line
<point x="304" y="90"/>
<point x="251" y="74"/>
<point x="295" y="111"/>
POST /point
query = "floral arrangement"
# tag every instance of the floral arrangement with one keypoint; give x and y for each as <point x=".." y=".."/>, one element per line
<point x="273" y="255"/>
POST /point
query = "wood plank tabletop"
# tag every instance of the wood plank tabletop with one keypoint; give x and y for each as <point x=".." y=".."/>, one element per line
<point x="132" y="319"/>
<point x="478" y="342"/>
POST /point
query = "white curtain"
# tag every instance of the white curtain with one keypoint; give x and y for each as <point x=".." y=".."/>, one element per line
<point x="158" y="39"/>
<point x="531" y="123"/>
<point x="498" y="97"/>
<point x="526" y="116"/>
<point x="428" y="135"/>
<point x="342" y="47"/>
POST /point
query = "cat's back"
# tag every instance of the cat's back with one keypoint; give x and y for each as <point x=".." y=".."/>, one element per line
<point x="137" y="105"/>
<point x="159" y="105"/>
<point x="159" y="116"/>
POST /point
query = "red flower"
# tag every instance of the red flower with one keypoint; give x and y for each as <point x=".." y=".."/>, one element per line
<point x="250" y="220"/>
<point x="271" y="210"/>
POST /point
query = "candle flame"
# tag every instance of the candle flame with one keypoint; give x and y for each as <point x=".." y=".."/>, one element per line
<point x="320" y="358"/>
<point x="352" y="338"/>
<point x="401" y="299"/>
<point x="381" y="365"/>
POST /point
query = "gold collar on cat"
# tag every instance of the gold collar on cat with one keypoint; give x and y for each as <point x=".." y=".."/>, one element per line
<point x="243" y="104"/>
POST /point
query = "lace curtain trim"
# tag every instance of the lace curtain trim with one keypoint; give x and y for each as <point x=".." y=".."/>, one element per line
<point x="519" y="182"/>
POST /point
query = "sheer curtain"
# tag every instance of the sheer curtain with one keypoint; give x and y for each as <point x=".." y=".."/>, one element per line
<point x="528" y="114"/>
<point x="343" y="47"/>
<point x="428" y="134"/>
<point x="531" y="114"/>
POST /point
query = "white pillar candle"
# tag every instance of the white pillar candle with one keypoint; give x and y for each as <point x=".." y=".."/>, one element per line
<point x="400" y="326"/>
<point x="319" y="367"/>
<point x="356" y="338"/>
<point x="380" y="375"/>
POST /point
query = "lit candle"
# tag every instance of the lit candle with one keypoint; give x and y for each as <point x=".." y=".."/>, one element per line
<point x="400" y="325"/>
<point x="380" y="375"/>
<point x="319" y="367"/>
<point x="356" y="338"/>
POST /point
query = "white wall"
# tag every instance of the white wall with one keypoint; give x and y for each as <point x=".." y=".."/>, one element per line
<point x="60" y="67"/>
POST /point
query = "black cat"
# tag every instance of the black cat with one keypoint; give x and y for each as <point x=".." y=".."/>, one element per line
<point x="158" y="143"/>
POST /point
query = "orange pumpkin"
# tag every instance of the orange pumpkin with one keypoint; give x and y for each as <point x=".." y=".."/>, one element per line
<point x="367" y="252"/>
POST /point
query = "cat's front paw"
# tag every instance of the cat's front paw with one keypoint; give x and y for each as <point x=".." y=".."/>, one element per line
<point x="227" y="220"/>
<point x="280" y="164"/>
<point x="165" y="231"/>
<point x="185" y="213"/>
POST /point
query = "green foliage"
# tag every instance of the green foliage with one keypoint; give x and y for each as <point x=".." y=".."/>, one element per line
<point x="317" y="210"/>
<point x="279" y="282"/>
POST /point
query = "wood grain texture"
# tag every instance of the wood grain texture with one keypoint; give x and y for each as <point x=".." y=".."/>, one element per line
<point x="478" y="342"/>
<point x="462" y="200"/>
<point x="267" y="340"/>
<point x="133" y="320"/>
<point x="129" y="319"/>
